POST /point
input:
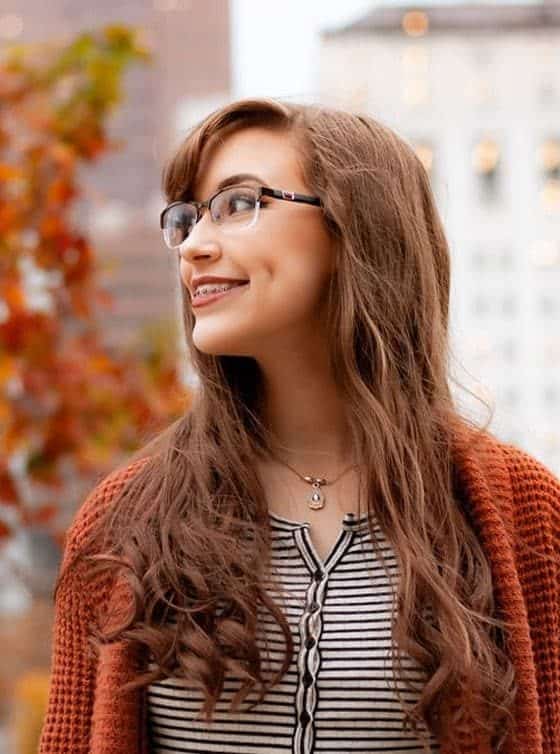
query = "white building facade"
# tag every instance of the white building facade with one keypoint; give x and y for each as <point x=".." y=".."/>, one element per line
<point x="476" y="91"/>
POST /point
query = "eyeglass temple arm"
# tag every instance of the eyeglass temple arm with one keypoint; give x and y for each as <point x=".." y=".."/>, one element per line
<point x="290" y="196"/>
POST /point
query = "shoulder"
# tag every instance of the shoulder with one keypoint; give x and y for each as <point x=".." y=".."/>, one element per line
<point x="533" y="488"/>
<point x="532" y="482"/>
<point x="96" y="504"/>
<point x="482" y="449"/>
<point x="488" y="466"/>
<point x="525" y="468"/>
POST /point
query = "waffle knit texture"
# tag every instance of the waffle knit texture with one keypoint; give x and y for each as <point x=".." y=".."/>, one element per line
<point x="514" y="504"/>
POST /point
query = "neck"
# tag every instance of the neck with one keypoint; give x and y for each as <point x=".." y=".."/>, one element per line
<point x="305" y="414"/>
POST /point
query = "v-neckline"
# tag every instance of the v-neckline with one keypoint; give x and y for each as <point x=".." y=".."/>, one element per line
<point x="348" y="521"/>
<point x="301" y="531"/>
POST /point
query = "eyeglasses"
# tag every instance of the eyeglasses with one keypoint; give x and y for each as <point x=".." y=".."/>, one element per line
<point x="235" y="206"/>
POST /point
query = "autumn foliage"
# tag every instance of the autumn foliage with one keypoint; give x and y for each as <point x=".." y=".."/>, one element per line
<point x="69" y="407"/>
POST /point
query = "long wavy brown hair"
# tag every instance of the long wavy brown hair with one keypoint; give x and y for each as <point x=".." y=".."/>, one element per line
<point x="189" y="533"/>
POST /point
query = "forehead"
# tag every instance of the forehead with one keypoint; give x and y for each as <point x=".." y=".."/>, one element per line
<point x="271" y="155"/>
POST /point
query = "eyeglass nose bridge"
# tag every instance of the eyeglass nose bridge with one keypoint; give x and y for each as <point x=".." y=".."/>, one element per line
<point x="200" y="207"/>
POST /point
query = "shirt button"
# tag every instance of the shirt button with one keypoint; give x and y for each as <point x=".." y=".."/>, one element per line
<point x="307" y="679"/>
<point x="314" y="606"/>
<point x="310" y="643"/>
<point x="304" y="718"/>
<point x="318" y="575"/>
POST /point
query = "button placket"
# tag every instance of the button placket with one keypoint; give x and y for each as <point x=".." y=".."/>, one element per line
<point x="310" y="628"/>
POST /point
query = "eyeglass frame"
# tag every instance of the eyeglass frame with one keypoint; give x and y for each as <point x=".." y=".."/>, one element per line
<point x="289" y="196"/>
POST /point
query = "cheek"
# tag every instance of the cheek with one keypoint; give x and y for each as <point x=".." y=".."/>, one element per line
<point x="291" y="277"/>
<point x="284" y="304"/>
<point x="302" y="275"/>
<point x="184" y="275"/>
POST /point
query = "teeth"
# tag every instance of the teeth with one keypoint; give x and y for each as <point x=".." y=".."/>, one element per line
<point x="206" y="289"/>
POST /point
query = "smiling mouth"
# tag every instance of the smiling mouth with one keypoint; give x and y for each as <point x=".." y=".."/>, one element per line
<point x="208" y="298"/>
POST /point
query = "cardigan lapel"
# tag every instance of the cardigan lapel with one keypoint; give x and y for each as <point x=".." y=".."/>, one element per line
<point x="484" y="485"/>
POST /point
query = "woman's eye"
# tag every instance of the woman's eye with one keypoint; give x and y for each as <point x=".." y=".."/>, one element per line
<point x="241" y="203"/>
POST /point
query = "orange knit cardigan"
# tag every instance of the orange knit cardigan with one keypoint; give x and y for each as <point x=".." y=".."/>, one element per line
<point x="515" y="506"/>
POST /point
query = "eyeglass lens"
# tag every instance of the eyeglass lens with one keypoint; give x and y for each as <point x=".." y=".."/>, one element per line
<point x="236" y="205"/>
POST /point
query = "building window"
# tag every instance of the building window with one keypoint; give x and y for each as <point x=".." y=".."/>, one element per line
<point x="548" y="305"/>
<point x="508" y="351"/>
<point x="549" y="159"/>
<point x="480" y="90"/>
<point x="480" y="260"/>
<point x="425" y="152"/>
<point x="488" y="259"/>
<point x="481" y="305"/>
<point x="481" y="86"/>
<point x="547" y="84"/>
<point x="486" y="303"/>
<point x="550" y="354"/>
<point x="548" y="92"/>
<point x="486" y="165"/>
<point x="415" y="68"/>
<point x="11" y="26"/>
<point x="545" y="254"/>
<point x="509" y="305"/>
<point x="510" y="397"/>
<point x="415" y="23"/>
<point x="480" y="347"/>
<point x="551" y="440"/>
<point x="549" y="168"/>
<point x="416" y="92"/>
<point x="551" y="396"/>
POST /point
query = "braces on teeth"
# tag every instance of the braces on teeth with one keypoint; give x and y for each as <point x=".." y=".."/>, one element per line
<point x="212" y="289"/>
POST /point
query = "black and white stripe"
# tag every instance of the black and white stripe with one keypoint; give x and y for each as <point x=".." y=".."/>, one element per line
<point x="336" y="695"/>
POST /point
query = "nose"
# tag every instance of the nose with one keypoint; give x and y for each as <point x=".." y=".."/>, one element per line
<point x="201" y="243"/>
<point x="192" y="250"/>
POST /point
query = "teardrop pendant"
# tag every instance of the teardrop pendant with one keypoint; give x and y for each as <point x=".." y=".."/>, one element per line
<point x="317" y="499"/>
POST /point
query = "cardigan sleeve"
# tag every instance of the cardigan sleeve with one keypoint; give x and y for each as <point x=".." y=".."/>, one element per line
<point x="66" y="727"/>
<point x="68" y="721"/>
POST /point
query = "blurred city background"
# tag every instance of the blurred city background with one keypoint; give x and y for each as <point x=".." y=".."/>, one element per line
<point x="93" y="100"/>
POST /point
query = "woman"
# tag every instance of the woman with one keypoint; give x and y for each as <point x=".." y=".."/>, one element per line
<point x="322" y="554"/>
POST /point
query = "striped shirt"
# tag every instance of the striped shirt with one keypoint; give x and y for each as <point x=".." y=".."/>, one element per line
<point x="338" y="695"/>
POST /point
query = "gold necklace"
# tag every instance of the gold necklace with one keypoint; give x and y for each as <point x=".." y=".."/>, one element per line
<point x="317" y="499"/>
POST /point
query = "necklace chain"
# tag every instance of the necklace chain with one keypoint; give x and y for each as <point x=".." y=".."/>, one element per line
<point x="317" y="499"/>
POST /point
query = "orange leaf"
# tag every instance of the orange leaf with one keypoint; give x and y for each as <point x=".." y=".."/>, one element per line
<point x="44" y="514"/>
<point x="9" y="172"/>
<point x="8" y="217"/>
<point x="51" y="225"/>
<point x="8" y="491"/>
<point x="60" y="191"/>
<point x="7" y="368"/>
<point x="12" y="293"/>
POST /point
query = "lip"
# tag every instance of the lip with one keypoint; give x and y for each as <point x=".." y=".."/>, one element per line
<point x="199" y="301"/>
<point x="201" y="279"/>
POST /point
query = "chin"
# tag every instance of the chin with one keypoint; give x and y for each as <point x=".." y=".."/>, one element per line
<point x="220" y="345"/>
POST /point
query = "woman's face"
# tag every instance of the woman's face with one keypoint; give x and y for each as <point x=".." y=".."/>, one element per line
<point x="287" y="257"/>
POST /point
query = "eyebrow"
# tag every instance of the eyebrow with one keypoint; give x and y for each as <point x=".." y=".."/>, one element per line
<point x="233" y="180"/>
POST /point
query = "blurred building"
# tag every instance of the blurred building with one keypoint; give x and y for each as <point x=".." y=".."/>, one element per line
<point x="190" y="75"/>
<point x="476" y="91"/>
